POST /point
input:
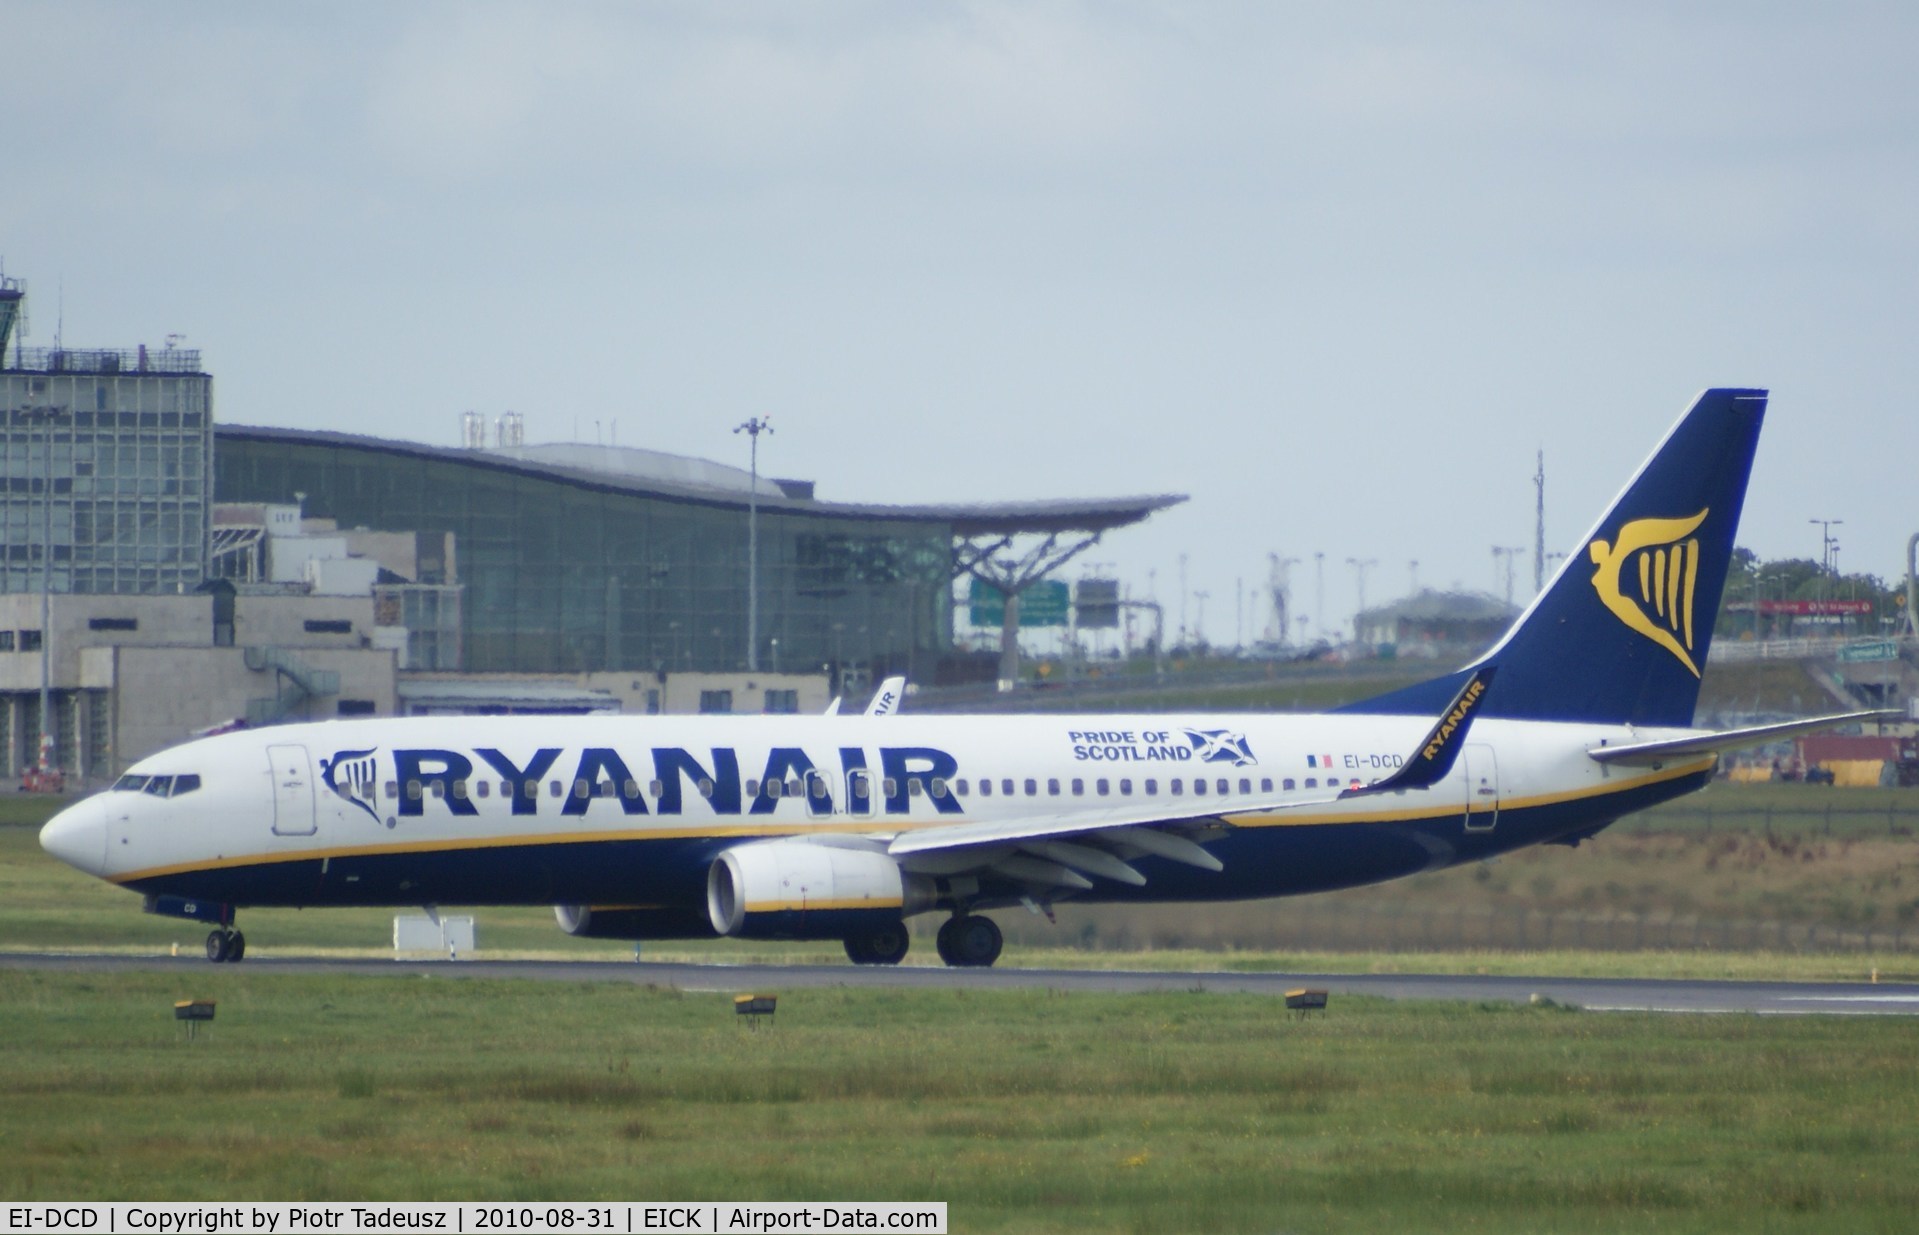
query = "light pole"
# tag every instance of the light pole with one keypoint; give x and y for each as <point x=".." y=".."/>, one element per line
<point x="753" y="428"/>
<point x="45" y="417"/>
<point x="1826" y="545"/>
<point x="1359" y="571"/>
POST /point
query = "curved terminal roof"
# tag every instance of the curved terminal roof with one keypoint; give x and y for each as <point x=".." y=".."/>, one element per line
<point x="966" y="519"/>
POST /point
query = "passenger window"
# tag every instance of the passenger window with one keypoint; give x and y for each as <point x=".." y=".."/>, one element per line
<point x="653" y="788"/>
<point x="985" y="787"/>
<point x="889" y="787"/>
<point x="1079" y="787"/>
<point x="1265" y="784"/>
<point x="1179" y="786"/>
<point x="1199" y="786"/>
<point x="1032" y="787"/>
<point x="1312" y="783"/>
<point x="1287" y="783"/>
<point x="1245" y="786"/>
<point x="482" y="787"/>
<point x="775" y="789"/>
<point x="459" y="790"/>
<point x="554" y="789"/>
<point x="959" y="786"/>
<point x="816" y="785"/>
<point x="632" y="788"/>
<point x="1222" y="786"/>
<point x="915" y="786"/>
<point x="160" y="786"/>
<point x="603" y="790"/>
<point x="939" y="787"/>
<point x="1152" y="787"/>
<point x="413" y="790"/>
<point x="706" y="787"/>
<point x="1125" y="787"/>
<point x="1007" y="787"/>
<point x="392" y="790"/>
<point x="185" y="784"/>
<point x="1103" y="787"/>
<point x="439" y="790"/>
<point x="579" y="787"/>
<point x="752" y="787"/>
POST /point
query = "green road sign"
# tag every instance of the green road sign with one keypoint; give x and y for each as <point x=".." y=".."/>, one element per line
<point x="1040" y="604"/>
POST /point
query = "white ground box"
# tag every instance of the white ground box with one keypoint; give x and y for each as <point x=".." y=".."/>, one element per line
<point x="418" y="937"/>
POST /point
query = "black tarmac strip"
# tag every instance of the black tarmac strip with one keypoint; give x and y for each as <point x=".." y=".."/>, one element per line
<point x="1592" y="994"/>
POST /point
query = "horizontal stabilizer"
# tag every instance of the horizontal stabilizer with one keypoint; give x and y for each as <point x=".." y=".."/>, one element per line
<point x="1642" y="754"/>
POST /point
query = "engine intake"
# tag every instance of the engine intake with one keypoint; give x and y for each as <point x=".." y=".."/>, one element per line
<point x="796" y="890"/>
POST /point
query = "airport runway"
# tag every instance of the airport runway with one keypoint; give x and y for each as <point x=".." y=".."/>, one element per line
<point x="1594" y="994"/>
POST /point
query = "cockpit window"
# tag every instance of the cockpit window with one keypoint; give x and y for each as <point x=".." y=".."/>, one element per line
<point x="158" y="786"/>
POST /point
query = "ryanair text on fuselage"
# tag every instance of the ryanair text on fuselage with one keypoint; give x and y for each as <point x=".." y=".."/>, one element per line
<point x="454" y="779"/>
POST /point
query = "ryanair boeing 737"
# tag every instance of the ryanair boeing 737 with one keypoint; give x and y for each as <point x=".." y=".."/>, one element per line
<point x="842" y="827"/>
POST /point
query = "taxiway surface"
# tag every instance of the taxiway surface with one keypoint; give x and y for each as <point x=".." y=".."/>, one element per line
<point x="1594" y="994"/>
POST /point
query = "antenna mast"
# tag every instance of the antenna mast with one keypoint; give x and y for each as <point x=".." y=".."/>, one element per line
<point x="1539" y="526"/>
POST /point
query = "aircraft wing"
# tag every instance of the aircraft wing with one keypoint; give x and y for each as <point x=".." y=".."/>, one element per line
<point x="1078" y="823"/>
<point x="1642" y="754"/>
<point x="1062" y="848"/>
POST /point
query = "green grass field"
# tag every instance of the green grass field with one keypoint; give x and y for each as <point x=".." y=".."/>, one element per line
<point x="1026" y="1111"/>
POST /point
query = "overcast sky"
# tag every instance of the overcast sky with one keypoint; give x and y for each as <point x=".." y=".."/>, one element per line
<point x="1336" y="271"/>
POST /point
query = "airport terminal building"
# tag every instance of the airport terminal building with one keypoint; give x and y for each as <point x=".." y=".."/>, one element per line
<point x="582" y="558"/>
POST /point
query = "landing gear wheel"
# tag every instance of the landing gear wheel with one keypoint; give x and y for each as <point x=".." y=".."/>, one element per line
<point x="970" y="942"/>
<point x="884" y="946"/>
<point x="226" y="945"/>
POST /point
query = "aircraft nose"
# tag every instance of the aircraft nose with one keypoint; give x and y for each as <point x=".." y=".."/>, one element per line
<point x="78" y="836"/>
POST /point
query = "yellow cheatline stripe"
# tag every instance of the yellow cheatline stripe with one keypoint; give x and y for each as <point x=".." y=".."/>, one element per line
<point x="1280" y="819"/>
<point x="1289" y="819"/>
<point x="811" y="906"/>
<point x="466" y="844"/>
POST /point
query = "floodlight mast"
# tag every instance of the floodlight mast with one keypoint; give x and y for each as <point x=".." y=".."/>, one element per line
<point x="753" y="428"/>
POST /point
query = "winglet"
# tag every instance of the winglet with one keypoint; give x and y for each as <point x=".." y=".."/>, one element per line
<point x="1429" y="764"/>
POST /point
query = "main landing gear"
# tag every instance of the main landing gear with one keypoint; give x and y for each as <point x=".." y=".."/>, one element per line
<point x="884" y="945"/>
<point x="969" y="941"/>
<point x="226" y="944"/>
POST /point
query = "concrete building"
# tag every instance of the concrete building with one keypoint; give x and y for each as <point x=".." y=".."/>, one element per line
<point x="106" y="456"/>
<point x="1432" y="624"/>
<point x="128" y="675"/>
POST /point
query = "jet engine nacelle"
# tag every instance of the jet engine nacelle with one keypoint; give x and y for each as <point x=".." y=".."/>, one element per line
<point x="629" y="922"/>
<point x="790" y="889"/>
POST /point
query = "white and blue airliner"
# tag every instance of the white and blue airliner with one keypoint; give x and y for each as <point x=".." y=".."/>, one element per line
<point x="843" y="827"/>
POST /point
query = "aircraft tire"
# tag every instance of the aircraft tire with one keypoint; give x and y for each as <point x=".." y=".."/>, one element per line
<point x="218" y="946"/>
<point x="237" y="948"/>
<point x="943" y="942"/>
<point x="971" y="942"/>
<point x="885" y="946"/>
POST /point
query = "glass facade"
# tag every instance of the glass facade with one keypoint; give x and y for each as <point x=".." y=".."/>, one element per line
<point x="565" y="572"/>
<point x="105" y="472"/>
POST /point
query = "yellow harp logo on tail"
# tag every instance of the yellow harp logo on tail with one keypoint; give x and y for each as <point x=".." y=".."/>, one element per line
<point x="1646" y="577"/>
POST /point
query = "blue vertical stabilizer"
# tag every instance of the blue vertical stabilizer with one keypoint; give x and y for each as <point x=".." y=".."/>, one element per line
<point x="1620" y="634"/>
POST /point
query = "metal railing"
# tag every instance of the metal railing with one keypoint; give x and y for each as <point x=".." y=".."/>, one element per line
<point x="106" y="360"/>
